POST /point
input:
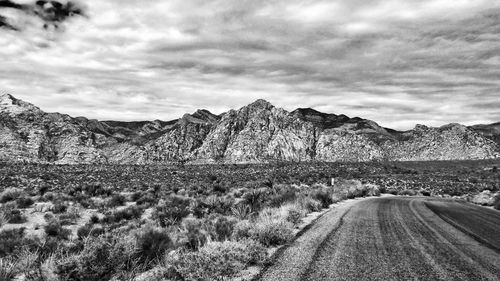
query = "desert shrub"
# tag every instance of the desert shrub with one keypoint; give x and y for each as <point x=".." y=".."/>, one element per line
<point x="48" y="216"/>
<point x="293" y="212"/>
<point x="282" y="197"/>
<point x="407" y="192"/>
<point x="219" y="205"/>
<point x="49" y="196"/>
<point x="219" y="188"/>
<point x="241" y="211"/>
<point x="256" y="253"/>
<point x="238" y="192"/>
<point x="220" y="227"/>
<point x="28" y="264"/>
<point x="10" y="194"/>
<point x="425" y="193"/>
<point x="11" y="240"/>
<point x="309" y="204"/>
<point x="192" y="234"/>
<point x="218" y="260"/>
<point x="11" y="205"/>
<point x="254" y="198"/>
<point x="352" y="188"/>
<point x="100" y="258"/>
<point x="96" y="189"/>
<point x="272" y="229"/>
<point x="14" y="241"/>
<point x="116" y="200"/>
<point x="242" y="230"/>
<point x="136" y="196"/>
<point x="337" y="197"/>
<point x="94" y="218"/>
<point x="24" y="202"/>
<point x="85" y="202"/>
<point x="42" y="189"/>
<point x="129" y="213"/>
<point x="322" y="196"/>
<point x="353" y="192"/>
<point x="88" y="229"/>
<point x="198" y="208"/>
<point x="392" y="191"/>
<point x="47" y="269"/>
<point x="15" y="216"/>
<point x="147" y="199"/>
<point x="152" y="243"/>
<point x="54" y="229"/>
<point x="59" y="207"/>
<point x="172" y="210"/>
<point x="71" y="215"/>
<point x="371" y="190"/>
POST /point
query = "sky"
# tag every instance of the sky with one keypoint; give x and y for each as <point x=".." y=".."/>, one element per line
<point x="397" y="62"/>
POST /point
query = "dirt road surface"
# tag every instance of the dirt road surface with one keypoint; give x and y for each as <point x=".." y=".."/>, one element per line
<point x="395" y="238"/>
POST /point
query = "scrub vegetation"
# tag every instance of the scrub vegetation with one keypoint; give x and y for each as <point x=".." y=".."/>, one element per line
<point x="125" y="222"/>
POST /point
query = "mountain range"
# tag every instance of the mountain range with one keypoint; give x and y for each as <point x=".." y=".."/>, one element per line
<point x="256" y="133"/>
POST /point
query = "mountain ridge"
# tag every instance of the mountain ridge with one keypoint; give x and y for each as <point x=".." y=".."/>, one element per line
<point x="255" y="133"/>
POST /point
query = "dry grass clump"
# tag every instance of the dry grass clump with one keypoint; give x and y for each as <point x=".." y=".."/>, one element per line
<point x="271" y="228"/>
<point x="10" y="194"/>
<point x="8" y="269"/>
<point x="152" y="243"/>
<point x="310" y="204"/>
<point x="15" y="216"/>
<point x="218" y="260"/>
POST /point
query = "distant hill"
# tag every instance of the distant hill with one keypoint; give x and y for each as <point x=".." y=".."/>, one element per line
<point x="258" y="132"/>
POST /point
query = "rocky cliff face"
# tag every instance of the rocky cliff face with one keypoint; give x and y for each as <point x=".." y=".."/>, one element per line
<point x="255" y="133"/>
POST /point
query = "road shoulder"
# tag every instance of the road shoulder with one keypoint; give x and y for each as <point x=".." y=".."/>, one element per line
<point x="291" y="261"/>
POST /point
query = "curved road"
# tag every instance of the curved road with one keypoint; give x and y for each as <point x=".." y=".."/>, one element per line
<point x="396" y="238"/>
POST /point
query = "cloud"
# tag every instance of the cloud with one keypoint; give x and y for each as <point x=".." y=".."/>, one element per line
<point x="51" y="13"/>
<point x="396" y="62"/>
<point x="4" y="23"/>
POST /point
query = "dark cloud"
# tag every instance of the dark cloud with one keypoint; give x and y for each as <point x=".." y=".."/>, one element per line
<point x="5" y="24"/>
<point x="10" y="4"/>
<point x="52" y="13"/>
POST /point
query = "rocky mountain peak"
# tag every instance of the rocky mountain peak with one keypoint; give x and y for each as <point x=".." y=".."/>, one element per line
<point x="420" y="127"/>
<point x="260" y="104"/>
<point x="200" y="116"/>
<point x="10" y="104"/>
<point x="7" y="99"/>
<point x="323" y="120"/>
<point x="205" y="115"/>
<point x="5" y="96"/>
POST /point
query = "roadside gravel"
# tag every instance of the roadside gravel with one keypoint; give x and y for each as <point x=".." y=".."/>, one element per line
<point x="292" y="261"/>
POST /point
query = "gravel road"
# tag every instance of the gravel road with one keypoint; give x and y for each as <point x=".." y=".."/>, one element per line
<point x="395" y="238"/>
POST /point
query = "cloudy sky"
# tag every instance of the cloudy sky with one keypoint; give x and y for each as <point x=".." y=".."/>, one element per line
<point x="398" y="62"/>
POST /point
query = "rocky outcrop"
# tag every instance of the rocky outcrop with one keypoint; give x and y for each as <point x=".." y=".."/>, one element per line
<point x="258" y="132"/>
<point x="29" y="134"/>
<point x="490" y="131"/>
